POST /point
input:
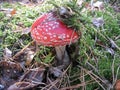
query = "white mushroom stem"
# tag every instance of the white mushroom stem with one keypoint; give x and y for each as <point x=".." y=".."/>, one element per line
<point x="62" y="56"/>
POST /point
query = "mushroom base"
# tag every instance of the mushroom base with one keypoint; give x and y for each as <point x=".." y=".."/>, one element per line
<point x="62" y="56"/>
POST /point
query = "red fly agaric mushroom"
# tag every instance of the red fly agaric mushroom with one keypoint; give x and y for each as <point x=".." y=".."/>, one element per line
<point x="48" y="30"/>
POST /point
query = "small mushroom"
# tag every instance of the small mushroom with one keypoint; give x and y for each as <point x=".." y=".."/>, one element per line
<point x="50" y="31"/>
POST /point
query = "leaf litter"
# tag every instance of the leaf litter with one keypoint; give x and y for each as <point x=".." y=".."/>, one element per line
<point x="24" y="73"/>
<point x="16" y="72"/>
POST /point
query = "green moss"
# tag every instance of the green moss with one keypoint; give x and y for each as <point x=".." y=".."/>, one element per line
<point x="89" y="51"/>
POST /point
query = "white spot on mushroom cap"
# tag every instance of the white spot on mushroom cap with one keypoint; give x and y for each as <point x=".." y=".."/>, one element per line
<point x="46" y="30"/>
<point x="46" y="26"/>
<point x="43" y="33"/>
<point x="56" y="23"/>
<point x="42" y="26"/>
<point x="38" y="37"/>
<point x="55" y="41"/>
<point x="39" y="27"/>
<point x="50" y="45"/>
<point x="34" y="30"/>
<point x="46" y="23"/>
<point x="67" y="36"/>
<point x="49" y="34"/>
<point x="75" y="37"/>
<point x="51" y="19"/>
<point x="37" y="33"/>
<point x="51" y="24"/>
<point x="62" y="36"/>
<point x="50" y="28"/>
<point x="53" y="27"/>
<point x="33" y="36"/>
<point x="54" y="35"/>
<point x="45" y="38"/>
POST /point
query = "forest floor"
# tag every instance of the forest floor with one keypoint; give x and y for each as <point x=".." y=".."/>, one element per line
<point x="95" y="58"/>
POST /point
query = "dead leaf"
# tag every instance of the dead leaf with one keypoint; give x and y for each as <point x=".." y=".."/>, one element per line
<point x="117" y="85"/>
<point x="80" y="2"/>
<point x="26" y="31"/>
<point x="30" y="52"/>
<point x="26" y="54"/>
<point x="111" y="51"/>
<point x="100" y="43"/>
<point x="117" y="8"/>
<point x="93" y="6"/>
<point x="98" y="5"/>
<point x="13" y="11"/>
<point x="8" y="11"/>
<point x="118" y="37"/>
<point x="7" y="53"/>
<point x="9" y="72"/>
<point x="35" y="75"/>
<point x="56" y="71"/>
<point x="98" y="22"/>
<point x="22" y="86"/>
<point x="113" y="44"/>
<point x="29" y="57"/>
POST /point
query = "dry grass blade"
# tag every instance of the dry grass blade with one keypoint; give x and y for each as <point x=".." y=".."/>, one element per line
<point x="93" y="67"/>
<point x="65" y="78"/>
<point x="116" y="76"/>
<point x="78" y="77"/>
<point x="83" y="79"/>
<point x="77" y="86"/>
<point x="19" y="53"/>
<point x="113" y="70"/>
<point x="113" y="43"/>
<point x="51" y="85"/>
<point x="98" y="79"/>
<point x="57" y="82"/>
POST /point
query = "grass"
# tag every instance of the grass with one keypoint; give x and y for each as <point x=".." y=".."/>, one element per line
<point x="97" y="61"/>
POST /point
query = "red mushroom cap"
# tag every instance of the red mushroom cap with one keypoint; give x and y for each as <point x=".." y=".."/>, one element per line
<point x="48" y="30"/>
